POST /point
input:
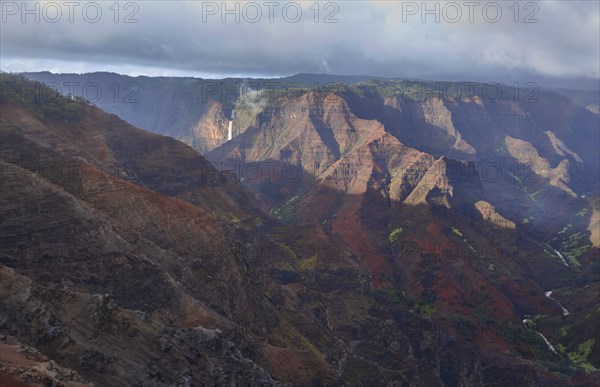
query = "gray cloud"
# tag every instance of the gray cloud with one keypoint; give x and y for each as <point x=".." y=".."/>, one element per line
<point x="380" y="38"/>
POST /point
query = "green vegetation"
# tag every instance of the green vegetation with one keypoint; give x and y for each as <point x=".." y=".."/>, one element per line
<point x="565" y="229"/>
<point x="41" y="99"/>
<point x="564" y="331"/>
<point x="457" y="232"/>
<point x="308" y="264"/>
<point x="580" y="357"/>
<point x="295" y="336"/>
<point x="395" y="235"/>
<point x="572" y="249"/>
<point x="389" y="294"/>
<point x="420" y="91"/>
<point x="287" y="212"/>
<point x="426" y="310"/>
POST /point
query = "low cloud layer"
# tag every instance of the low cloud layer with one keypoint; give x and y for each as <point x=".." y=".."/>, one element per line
<point x="555" y="42"/>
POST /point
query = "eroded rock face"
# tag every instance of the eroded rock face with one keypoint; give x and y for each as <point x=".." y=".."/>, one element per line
<point x="448" y="201"/>
<point x="211" y="130"/>
<point x="435" y="113"/>
<point x="488" y="212"/>
<point x="526" y="153"/>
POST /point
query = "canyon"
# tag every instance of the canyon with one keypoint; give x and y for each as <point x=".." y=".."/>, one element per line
<point x="395" y="237"/>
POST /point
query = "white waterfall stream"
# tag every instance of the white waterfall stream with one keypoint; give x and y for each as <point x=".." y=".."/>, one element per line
<point x="230" y="129"/>
<point x="564" y="261"/>
<point x="565" y="312"/>
<point x="548" y="343"/>
<point x="543" y="337"/>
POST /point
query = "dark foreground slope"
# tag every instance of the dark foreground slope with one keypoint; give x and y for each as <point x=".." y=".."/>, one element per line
<point x="127" y="259"/>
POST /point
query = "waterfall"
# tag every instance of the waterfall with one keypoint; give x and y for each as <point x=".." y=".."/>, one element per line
<point x="548" y="343"/>
<point x="230" y="130"/>
<point x="543" y="337"/>
<point x="565" y="312"/>
<point x="564" y="261"/>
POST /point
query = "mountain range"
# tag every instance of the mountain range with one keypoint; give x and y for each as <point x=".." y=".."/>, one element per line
<point x="354" y="231"/>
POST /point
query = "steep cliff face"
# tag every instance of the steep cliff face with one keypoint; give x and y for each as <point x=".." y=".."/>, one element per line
<point x="211" y="129"/>
<point x="521" y="165"/>
<point x="191" y="110"/>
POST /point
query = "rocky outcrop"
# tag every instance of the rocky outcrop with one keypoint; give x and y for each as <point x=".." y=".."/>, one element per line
<point x="527" y="155"/>
<point x="489" y="214"/>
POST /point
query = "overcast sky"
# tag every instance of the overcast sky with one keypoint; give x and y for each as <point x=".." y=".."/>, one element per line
<point x="553" y="42"/>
